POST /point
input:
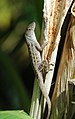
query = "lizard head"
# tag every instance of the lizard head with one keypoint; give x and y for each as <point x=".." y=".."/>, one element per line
<point x="30" y="29"/>
<point x="30" y="34"/>
<point x="31" y="26"/>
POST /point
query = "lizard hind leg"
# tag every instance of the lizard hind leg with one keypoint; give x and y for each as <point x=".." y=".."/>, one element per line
<point x="44" y="44"/>
<point x="43" y="68"/>
<point x="43" y="65"/>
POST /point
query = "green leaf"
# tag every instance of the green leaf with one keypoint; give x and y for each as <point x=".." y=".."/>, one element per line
<point x="19" y="114"/>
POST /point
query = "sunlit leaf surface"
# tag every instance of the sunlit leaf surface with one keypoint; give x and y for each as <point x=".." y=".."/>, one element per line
<point x="14" y="115"/>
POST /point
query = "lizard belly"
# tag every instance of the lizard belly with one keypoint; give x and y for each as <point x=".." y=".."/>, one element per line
<point x="36" y="57"/>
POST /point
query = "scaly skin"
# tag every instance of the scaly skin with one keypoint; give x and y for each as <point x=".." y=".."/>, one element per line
<point x="34" y="51"/>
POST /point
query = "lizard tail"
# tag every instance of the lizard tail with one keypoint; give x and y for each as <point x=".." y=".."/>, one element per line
<point x="44" y="92"/>
<point x="49" y="106"/>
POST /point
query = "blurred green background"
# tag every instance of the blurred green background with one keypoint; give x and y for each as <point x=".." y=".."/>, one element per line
<point x="16" y="73"/>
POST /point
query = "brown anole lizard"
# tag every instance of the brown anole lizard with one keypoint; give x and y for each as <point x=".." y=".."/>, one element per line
<point x="35" y="52"/>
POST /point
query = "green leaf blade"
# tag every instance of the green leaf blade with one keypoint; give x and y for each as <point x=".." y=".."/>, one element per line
<point x="18" y="114"/>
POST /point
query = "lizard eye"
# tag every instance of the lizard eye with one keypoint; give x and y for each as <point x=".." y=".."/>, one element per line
<point x="29" y="29"/>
